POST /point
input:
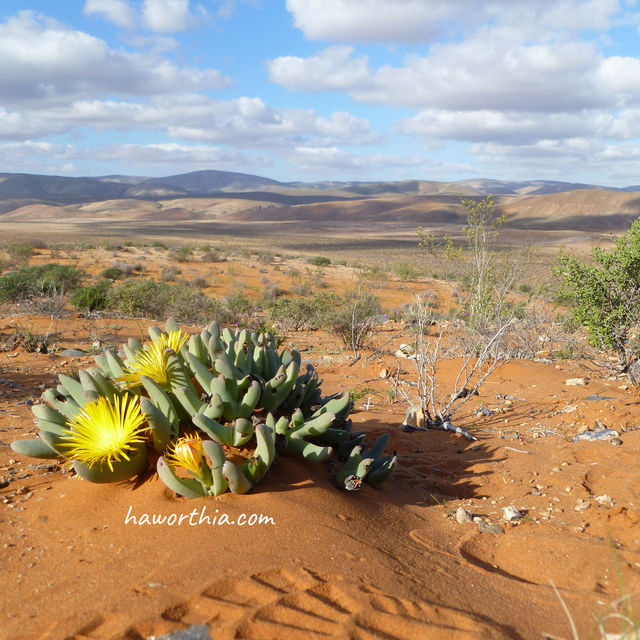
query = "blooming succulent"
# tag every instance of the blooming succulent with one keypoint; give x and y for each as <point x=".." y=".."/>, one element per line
<point x="154" y="361"/>
<point x="104" y="432"/>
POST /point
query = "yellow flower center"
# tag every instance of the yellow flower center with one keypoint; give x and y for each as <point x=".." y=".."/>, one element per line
<point x="153" y="360"/>
<point x="104" y="432"/>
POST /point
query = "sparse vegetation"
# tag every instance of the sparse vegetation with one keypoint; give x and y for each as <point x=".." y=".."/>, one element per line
<point x="606" y="291"/>
<point x="40" y="280"/>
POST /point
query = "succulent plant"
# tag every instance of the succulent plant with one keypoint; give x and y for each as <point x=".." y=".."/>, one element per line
<point x="232" y="385"/>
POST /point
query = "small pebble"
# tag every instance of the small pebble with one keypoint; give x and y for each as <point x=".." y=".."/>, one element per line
<point x="463" y="516"/>
<point x="488" y="527"/>
<point x="616" y="442"/>
<point x="510" y="513"/>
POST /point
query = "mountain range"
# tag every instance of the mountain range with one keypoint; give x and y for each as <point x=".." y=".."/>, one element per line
<point x="206" y="183"/>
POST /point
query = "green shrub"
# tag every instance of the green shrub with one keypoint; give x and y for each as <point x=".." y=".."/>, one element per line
<point x="606" y="291"/>
<point x="293" y="314"/>
<point x="355" y="319"/>
<point x="182" y="254"/>
<point x="41" y="280"/>
<point x="93" y="298"/>
<point x="156" y="244"/>
<point x="152" y="299"/>
<point x="319" y="261"/>
<point x="112" y="273"/>
<point x="20" y="252"/>
<point x="405" y="271"/>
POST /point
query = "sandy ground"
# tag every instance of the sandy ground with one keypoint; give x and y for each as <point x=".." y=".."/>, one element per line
<point x="388" y="563"/>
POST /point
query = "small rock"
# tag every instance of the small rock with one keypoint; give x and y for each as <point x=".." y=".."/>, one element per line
<point x="488" y="527"/>
<point x="616" y="442"/>
<point x="384" y="373"/>
<point x="414" y="417"/>
<point x="603" y="434"/>
<point x="510" y="513"/>
<point x="72" y="353"/>
<point x="583" y="428"/>
<point x="582" y="505"/>
<point x="483" y="411"/>
<point x="463" y="516"/>
<point x="575" y="382"/>
<point x="604" y="500"/>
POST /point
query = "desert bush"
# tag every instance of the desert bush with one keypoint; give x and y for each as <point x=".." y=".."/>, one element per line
<point x="92" y="298"/>
<point x="126" y="268"/>
<point x="20" y="252"/>
<point x="112" y="273"/>
<point x="157" y="244"/>
<point x="405" y="271"/>
<point x="482" y="278"/>
<point x="211" y="255"/>
<point x="265" y="257"/>
<point x="168" y="274"/>
<point x="41" y="280"/>
<point x="238" y="307"/>
<point x="152" y="299"/>
<point x="606" y="291"/>
<point x="319" y="261"/>
<point x="183" y="254"/>
<point x="293" y="314"/>
<point x="355" y="319"/>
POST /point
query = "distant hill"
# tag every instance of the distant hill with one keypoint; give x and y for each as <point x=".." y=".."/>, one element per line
<point x="62" y="189"/>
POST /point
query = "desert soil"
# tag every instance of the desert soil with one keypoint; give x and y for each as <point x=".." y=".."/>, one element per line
<point x="388" y="563"/>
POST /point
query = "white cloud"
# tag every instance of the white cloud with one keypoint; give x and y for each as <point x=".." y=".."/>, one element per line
<point x="424" y="20"/>
<point x="505" y="126"/>
<point x="478" y="73"/>
<point x="117" y="11"/>
<point x="331" y="70"/>
<point x="336" y="162"/>
<point x="170" y="16"/>
<point x="244" y="122"/>
<point x="42" y="61"/>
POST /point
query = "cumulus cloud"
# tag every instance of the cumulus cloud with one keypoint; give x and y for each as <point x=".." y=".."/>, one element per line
<point x="244" y="122"/>
<point x="424" y="20"/>
<point x="43" y="60"/>
<point x="505" y="126"/>
<point x="117" y="11"/>
<point x="333" y="69"/>
<point x="478" y="73"/>
<point x="170" y="16"/>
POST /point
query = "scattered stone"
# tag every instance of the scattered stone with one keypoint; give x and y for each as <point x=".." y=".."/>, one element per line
<point x="9" y="383"/>
<point x="597" y="397"/>
<point x="488" y="527"/>
<point x="483" y="411"/>
<point x="583" y="428"/>
<point x="510" y="513"/>
<point x="603" y="434"/>
<point x="414" y="418"/>
<point x="463" y="516"/>
<point x="384" y="373"/>
<point x="604" y="500"/>
<point x="196" y="632"/>
<point x="508" y="403"/>
<point x="72" y="353"/>
<point x="405" y="351"/>
<point x="575" y="382"/>
<point x="616" y="442"/>
<point x="582" y="505"/>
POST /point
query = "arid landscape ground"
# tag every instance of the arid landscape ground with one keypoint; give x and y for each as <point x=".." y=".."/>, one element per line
<point x="395" y="562"/>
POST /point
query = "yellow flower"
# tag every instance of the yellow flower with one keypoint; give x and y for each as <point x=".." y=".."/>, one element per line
<point x="153" y="360"/>
<point x="104" y="432"/>
<point x="187" y="452"/>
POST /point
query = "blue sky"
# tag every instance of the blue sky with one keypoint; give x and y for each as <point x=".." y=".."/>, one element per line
<point x="323" y="89"/>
